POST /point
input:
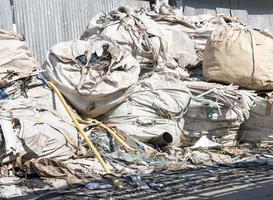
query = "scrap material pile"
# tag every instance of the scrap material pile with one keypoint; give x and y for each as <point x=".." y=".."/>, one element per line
<point x="142" y="90"/>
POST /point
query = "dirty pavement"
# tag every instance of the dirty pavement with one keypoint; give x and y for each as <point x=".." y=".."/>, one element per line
<point x="146" y="104"/>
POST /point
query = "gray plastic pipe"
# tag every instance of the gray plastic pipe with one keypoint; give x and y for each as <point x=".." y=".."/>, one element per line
<point x="163" y="140"/>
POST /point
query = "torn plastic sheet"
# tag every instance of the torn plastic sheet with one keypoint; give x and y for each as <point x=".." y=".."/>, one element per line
<point x="204" y="142"/>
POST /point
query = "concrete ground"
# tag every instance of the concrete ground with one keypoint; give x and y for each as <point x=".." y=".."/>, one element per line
<point x="250" y="181"/>
<point x="262" y="190"/>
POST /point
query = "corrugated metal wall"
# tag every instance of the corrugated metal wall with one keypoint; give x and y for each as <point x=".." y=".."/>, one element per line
<point x="47" y="22"/>
<point x="255" y="13"/>
<point x="5" y="15"/>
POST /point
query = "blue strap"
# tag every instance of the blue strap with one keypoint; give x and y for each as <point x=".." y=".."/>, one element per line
<point x="42" y="78"/>
<point x="3" y="94"/>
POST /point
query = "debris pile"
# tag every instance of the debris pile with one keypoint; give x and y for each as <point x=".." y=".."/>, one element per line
<point x="152" y="42"/>
<point x="258" y="127"/>
<point x="94" y="77"/>
<point x="154" y="112"/>
<point x="140" y="91"/>
<point x="17" y="65"/>
<point x="216" y="111"/>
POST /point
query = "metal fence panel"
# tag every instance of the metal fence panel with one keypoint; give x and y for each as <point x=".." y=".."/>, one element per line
<point x="47" y="22"/>
<point x="41" y="22"/>
<point x="259" y="13"/>
<point x="5" y="15"/>
<point x="255" y="13"/>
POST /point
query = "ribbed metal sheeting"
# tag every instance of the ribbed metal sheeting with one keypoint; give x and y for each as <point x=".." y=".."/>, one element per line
<point x="255" y="13"/>
<point x="47" y="22"/>
<point x="5" y="15"/>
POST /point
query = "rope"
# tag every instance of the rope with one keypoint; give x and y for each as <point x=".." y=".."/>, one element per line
<point x="253" y="58"/>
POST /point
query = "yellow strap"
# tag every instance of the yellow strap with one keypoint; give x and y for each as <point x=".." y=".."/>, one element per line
<point x="84" y="135"/>
<point x="114" y="134"/>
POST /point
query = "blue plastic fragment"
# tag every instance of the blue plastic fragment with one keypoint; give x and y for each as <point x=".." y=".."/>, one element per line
<point x="92" y="185"/>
